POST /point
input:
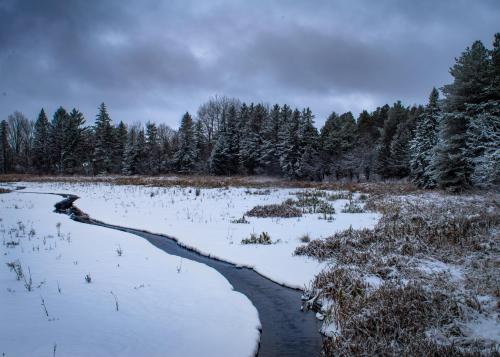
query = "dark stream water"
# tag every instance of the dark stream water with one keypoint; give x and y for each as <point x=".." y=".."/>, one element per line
<point x="286" y="330"/>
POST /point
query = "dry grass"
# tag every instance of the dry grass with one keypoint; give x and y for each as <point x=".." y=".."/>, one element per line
<point x="382" y="299"/>
<point x="259" y="182"/>
<point x="4" y="190"/>
<point x="274" y="210"/>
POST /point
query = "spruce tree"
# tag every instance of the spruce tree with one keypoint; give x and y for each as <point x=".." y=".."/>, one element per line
<point x="103" y="152"/>
<point x="269" y="157"/>
<point x="250" y="139"/>
<point x="397" y="114"/>
<point x="41" y="144"/>
<point x="185" y="156"/>
<point x="152" y="148"/>
<point x="471" y="78"/>
<point x="483" y="143"/>
<point x="4" y="148"/>
<point x="57" y="139"/>
<point x="73" y="142"/>
<point x="290" y="146"/>
<point x="422" y="146"/>
<point x="307" y="167"/>
<point x="452" y="165"/>
<point x="120" y="142"/>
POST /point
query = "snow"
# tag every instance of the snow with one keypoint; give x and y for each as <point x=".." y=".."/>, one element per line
<point x="166" y="307"/>
<point x="203" y="222"/>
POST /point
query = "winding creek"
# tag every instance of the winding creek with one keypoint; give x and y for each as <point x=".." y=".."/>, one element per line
<point x="286" y="330"/>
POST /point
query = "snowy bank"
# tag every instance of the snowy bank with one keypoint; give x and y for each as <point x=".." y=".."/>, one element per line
<point x="203" y="220"/>
<point x="139" y="301"/>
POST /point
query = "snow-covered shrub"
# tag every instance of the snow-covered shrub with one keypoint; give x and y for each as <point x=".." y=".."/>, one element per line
<point x="274" y="210"/>
<point x="352" y="207"/>
<point x="241" y="220"/>
<point x="263" y="238"/>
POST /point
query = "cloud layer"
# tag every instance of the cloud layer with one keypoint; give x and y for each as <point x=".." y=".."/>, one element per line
<point x="153" y="60"/>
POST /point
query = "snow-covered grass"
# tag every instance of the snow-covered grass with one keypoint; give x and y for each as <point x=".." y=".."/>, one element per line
<point x="91" y="291"/>
<point x="203" y="221"/>
<point x="424" y="281"/>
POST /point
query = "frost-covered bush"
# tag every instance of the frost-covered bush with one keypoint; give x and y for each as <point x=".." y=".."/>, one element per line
<point x="352" y="207"/>
<point x="263" y="238"/>
<point x="274" y="210"/>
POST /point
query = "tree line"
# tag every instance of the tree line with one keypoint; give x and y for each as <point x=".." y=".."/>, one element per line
<point x="452" y="143"/>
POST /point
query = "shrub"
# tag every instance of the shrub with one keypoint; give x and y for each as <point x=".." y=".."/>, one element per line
<point x="305" y="238"/>
<point x="274" y="210"/>
<point x="352" y="207"/>
<point x="241" y="220"/>
<point x="263" y="238"/>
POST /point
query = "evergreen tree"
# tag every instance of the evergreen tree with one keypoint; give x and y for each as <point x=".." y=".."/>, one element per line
<point x="397" y="114"/>
<point x="103" y="152"/>
<point x="220" y="159"/>
<point x="483" y="138"/>
<point x="307" y="167"/>
<point x="450" y="166"/>
<point x="471" y="78"/>
<point x="73" y="142"/>
<point x="290" y="146"/>
<point x="152" y="149"/>
<point x="185" y="156"/>
<point x="41" y="144"/>
<point x="269" y="157"/>
<point x="250" y="139"/>
<point x="120" y="142"/>
<point x="131" y="153"/>
<point x="422" y="146"/>
<point x="493" y="90"/>
<point x="57" y="139"/>
<point x="4" y="148"/>
<point x="201" y="146"/>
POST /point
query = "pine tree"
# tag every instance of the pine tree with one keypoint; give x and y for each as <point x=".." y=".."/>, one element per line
<point x="250" y="139"/>
<point x="185" y="156"/>
<point x="120" y="142"/>
<point x="493" y="90"/>
<point x="471" y="77"/>
<point x="422" y="146"/>
<point x="269" y="157"/>
<point x="307" y="167"/>
<point x="41" y="143"/>
<point x="290" y="146"/>
<point x="220" y="158"/>
<point x="233" y="139"/>
<point x="57" y="139"/>
<point x="152" y="149"/>
<point x="4" y="148"/>
<point x="397" y="114"/>
<point x="103" y="152"/>
<point x="450" y="166"/>
<point x="73" y="142"/>
<point x="483" y="138"/>
<point x="130" y="154"/>
<point x="201" y="146"/>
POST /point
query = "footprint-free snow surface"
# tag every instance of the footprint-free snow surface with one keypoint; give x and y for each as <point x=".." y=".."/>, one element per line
<point x="203" y="221"/>
<point x="140" y="303"/>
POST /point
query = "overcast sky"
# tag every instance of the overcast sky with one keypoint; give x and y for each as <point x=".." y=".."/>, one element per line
<point x="154" y="60"/>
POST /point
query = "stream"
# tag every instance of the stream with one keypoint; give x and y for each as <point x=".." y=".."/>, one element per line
<point x="286" y="330"/>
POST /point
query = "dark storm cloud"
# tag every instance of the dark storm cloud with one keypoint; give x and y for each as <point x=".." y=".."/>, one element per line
<point x="155" y="60"/>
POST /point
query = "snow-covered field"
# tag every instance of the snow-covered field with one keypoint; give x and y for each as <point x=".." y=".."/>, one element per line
<point x="144" y="302"/>
<point x="203" y="222"/>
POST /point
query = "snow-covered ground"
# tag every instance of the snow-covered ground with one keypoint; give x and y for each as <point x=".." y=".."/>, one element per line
<point x="165" y="307"/>
<point x="203" y="222"/>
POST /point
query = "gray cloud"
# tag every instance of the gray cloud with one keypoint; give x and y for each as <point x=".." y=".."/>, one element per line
<point x="155" y="60"/>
